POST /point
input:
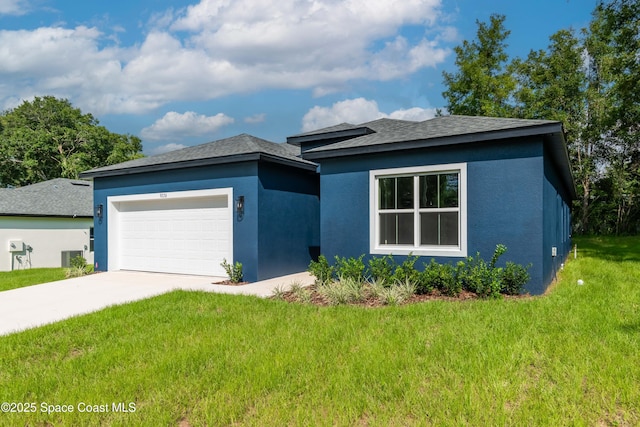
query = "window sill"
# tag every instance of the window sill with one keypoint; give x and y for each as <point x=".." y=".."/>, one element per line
<point x="419" y="251"/>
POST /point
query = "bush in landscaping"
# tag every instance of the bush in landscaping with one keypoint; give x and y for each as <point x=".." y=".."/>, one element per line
<point x="344" y="291"/>
<point x="321" y="270"/>
<point x="78" y="261"/>
<point x="441" y="277"/>
<point x="381" y="269"/>
<point x="406" y="271"/>
<point x="78" y="267"/>
<point x="514" y="277"/>
<point x="350" y="268"/>
<point x="233" y="271"/>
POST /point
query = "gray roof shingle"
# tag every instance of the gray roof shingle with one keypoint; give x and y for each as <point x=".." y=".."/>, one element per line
<point x="58" y="197"/>
<point x="237" y="148"/>
<point x="388" y="131"/>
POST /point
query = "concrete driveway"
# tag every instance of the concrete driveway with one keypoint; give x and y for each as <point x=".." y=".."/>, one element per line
<point x="38" y="305"/>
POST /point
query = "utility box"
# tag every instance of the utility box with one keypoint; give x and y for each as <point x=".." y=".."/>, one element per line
<point x="554" y="251"/>
<point x="16" y="246"/>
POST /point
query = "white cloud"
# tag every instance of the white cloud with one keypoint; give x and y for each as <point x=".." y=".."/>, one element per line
<point x="356" y="111"/>
<point x="256" y="118"/>
<point x="221" y="47"/>
<point x="13" y="7"/>
<point x="166" y="148"/>
<point x="177" y="126"/>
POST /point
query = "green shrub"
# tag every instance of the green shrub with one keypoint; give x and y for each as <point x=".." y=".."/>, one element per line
<point x="78" y="261"/>
<point x="335" y="293"/>
<point x="406" y="271"/>
<point x="381" y="269"/>
<point x="350" y="268"/>
<point x="321" y="270"/>
<point x="475" y="275"/>
<point x="514" y="278"/>
<point x="441" y="277"/>
<point x="233" y="271"/>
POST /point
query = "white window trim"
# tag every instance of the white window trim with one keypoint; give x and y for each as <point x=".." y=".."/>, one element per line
<point x="416" y="249"/>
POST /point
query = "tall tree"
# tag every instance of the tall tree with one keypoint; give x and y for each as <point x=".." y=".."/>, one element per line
<point x="483" y="85"/>
<point x="613" y="45"/>
<point x="48" y="138"/>
<point x="553" y="84"/>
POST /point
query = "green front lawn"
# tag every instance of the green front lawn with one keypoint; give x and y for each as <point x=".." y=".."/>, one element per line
<point x="33" y="276"/>
<point x="186" y="358"/>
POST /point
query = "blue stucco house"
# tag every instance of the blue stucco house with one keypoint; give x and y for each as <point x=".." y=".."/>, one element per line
<point x="443" y="188"/>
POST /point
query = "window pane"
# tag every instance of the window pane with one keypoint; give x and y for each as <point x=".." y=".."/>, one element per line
<point x="429" y="191"/>
<point x="388" y="229"/>
<point x="449" y="190"/>
<point x="439" y="228"/>
<point x="396" y="229"/>
<point x="449" y="228"/>
<point x="429" y="228"/>
<point x="405" y="193"/>
<point x="387" y="193"/>
<point x="405" y="229"/>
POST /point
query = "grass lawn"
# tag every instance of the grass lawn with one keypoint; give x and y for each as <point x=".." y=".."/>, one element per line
<point x="33" y="276"/>
<point x="571" y="357"/>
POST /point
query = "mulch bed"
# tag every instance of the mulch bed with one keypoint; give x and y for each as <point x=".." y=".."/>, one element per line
<point x="319" y="300"/>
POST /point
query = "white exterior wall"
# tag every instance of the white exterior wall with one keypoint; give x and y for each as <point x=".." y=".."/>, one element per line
<point x="47" y="237"/>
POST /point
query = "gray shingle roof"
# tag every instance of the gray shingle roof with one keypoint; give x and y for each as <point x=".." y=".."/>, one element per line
<point x="388" y="135"/>
<point x="237" y="148"/>
<point x="58" y="197"/>
<point x="388" y="131"/>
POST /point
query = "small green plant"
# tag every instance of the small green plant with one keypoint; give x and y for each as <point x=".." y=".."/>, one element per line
<point x="335" y="293"/>
<point x="321" y="270"/>
<point x="381" y="269"/>
<point x="514" y="278"/>
<point x="234" y="272"/>
<point x="441" y="277"/>
<point x="300" y="293"/>
<point x="406" y="271"/>
<point x="392" y="295"/>
<point x="78" y="261"/>
<point x="279" y="292"/>
<point x="78" y="267"/>
<point x="350" y="268"/>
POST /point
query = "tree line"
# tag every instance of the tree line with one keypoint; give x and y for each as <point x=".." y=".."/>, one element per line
<point x="48" y="138"/>
<point x="589" y="79"/>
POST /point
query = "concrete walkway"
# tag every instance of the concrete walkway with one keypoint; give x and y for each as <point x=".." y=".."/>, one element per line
<point x="32" y="306"/>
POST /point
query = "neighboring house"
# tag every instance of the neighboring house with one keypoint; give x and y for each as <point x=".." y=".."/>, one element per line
<point x="46" y="224"/>
<point x="444" y="188"/>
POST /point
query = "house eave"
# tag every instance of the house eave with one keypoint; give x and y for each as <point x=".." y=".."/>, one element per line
<point x="327" y="152"/>
<point x="199" y="162"/>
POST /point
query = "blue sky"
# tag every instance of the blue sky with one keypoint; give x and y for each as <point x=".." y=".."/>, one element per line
<point x="179" y="73"/>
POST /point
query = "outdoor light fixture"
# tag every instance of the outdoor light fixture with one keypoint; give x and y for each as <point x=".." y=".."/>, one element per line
<point x="240" y="206"/>
<point x="99" y="210"/>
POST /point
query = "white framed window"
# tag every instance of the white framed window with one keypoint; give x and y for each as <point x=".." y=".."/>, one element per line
<point x="419" y="210"/>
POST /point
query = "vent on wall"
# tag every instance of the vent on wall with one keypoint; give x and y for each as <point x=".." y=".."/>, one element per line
<point x="67" y="256"/>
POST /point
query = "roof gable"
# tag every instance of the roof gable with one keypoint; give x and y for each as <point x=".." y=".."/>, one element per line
<point x="58" y="197"/>
<point x="445" y="128"/>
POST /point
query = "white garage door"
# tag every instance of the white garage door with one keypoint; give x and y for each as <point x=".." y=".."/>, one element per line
<point x="185" y="232"/>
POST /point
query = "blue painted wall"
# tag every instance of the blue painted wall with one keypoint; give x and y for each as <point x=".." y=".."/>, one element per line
<point x="243" y="178"/>
<point x="557" y="221"/>
<point x="505" y="201"/>
<point x="289" y="219"/>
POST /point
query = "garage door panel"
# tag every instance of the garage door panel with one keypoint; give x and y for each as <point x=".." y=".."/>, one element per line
<point x="176" y="235"/>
